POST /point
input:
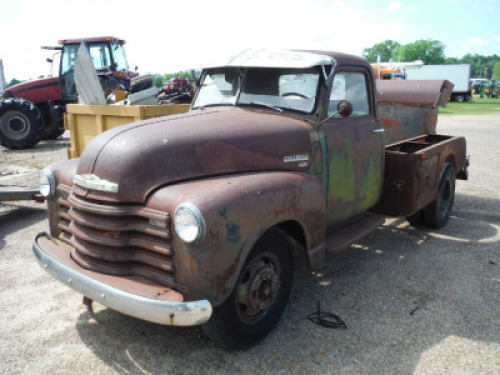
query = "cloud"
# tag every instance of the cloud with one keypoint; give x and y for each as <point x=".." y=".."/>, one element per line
<point x="476" y="41"/>
<point x="395" y="6"/>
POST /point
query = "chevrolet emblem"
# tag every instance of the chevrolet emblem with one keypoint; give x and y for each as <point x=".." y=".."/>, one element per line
<point x="92" y="182"/>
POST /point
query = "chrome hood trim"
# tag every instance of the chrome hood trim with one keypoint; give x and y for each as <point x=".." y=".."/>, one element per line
<point x="93" y="182"/>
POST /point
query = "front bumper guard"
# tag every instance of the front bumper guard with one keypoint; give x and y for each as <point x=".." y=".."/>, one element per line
<point x="55" y="259"/>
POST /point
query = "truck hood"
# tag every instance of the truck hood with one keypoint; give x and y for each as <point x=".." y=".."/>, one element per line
<point x="146" y="155"/>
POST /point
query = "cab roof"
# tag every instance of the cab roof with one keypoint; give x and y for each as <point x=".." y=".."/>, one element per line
<point x="278" y="58"/>
<point x="95" y="39"/>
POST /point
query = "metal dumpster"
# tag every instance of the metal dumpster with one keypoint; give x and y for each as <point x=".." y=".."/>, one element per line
<point x="87" y="121"/>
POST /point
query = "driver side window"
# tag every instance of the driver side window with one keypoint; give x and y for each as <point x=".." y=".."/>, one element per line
<point x="351" y="86"/>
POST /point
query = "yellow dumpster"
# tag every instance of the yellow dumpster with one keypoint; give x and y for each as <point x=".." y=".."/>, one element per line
<point x="87" y="121"/>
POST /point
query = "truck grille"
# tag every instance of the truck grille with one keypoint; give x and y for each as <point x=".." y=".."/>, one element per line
<point x="116" y="239"/>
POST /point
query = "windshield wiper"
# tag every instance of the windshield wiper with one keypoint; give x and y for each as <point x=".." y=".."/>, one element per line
<point x="267" y="106"/>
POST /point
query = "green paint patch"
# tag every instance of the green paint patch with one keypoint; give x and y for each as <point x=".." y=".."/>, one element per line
<point x="232" y="232"/>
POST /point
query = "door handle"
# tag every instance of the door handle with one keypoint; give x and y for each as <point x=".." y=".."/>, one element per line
<point x="381" y="130"/>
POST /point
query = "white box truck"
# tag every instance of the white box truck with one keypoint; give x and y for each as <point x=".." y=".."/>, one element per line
<point x="458" y="74"/>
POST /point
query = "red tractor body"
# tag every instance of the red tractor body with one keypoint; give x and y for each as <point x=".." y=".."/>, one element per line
<point x="38" y="91"/>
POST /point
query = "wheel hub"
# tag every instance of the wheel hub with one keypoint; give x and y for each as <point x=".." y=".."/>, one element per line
<point x="258" y="289"/>
<point x="17" y="124"/>
<point x="14" y="125"/>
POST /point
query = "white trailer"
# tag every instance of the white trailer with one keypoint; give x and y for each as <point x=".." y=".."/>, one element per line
<point x="2" y="79"/>
<point x="458" y="74"/>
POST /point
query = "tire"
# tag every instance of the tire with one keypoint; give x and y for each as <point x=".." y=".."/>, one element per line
<point x="437" y="213"/>
<point x="21" y="124"/>
<point x="459" y="98"/>
<point x="259" y="297"/>
<point x="416" y="219"/>
<point x="53" y="131"/>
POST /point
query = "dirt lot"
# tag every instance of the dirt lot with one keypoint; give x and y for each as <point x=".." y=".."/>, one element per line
<point x="414" y="301"/>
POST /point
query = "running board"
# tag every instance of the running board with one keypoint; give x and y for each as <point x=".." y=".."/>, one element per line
<point x="341" y="236"/>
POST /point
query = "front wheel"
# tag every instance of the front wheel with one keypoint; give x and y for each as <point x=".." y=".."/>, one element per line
<point x="259" y="297"/>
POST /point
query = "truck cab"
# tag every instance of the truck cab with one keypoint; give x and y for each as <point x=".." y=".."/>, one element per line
<point x="193" y="219"/>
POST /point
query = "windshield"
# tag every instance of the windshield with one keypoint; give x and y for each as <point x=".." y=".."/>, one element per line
<point x="99" y="53"/>
<point x="293" y="89"/>
<point x="120" y="59"/>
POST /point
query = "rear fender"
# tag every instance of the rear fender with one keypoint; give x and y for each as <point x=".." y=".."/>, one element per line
<point x="237" y="211"/>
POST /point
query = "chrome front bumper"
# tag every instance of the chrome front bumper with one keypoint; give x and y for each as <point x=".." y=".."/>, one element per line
<point x="55" y="259"/>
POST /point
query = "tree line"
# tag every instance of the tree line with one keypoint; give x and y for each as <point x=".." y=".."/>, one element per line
<point x="432" y="52"/>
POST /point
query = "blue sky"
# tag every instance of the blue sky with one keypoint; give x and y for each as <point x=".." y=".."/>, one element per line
<point x="168" y="36"/>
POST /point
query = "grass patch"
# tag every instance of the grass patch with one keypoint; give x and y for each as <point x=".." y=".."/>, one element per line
<point x="477" y="106"/>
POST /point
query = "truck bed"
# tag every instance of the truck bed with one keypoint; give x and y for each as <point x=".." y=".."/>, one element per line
<point x="413" y="170"/>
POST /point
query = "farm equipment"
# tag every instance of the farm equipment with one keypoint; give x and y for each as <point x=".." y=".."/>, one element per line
<point x="175" y="90"/>
<point x="34" y="110"/>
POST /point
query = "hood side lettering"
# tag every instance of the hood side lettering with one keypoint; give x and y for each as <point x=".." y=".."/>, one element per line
<point x="295" y="158"/>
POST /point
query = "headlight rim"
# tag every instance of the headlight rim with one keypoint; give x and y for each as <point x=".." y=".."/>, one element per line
<point x="199" y="219"/>
<point x="51" y="182"/>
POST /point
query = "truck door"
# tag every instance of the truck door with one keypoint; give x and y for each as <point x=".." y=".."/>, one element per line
<point x="354" y="148"/>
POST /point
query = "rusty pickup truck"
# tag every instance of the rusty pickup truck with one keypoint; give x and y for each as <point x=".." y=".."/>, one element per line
<point x="195" y="219"/>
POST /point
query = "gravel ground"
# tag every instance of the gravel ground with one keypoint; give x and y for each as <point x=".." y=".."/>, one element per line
<point x="414" y="301"/>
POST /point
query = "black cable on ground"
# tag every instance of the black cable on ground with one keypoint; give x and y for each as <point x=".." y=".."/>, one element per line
<point x="326" y="319"/>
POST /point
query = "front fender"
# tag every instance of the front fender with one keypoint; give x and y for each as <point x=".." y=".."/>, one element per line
<point x="237" y="210"/>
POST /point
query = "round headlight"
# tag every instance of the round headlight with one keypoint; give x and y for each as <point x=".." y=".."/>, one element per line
<point x="47" y="183"/>
<point x="189" y="223"/>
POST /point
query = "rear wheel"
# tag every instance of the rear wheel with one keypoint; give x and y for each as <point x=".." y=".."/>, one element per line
<point x="416" y="219"/>
<point x="53" y="131"/>
<point x="21" y="124"/>
<point x="437" y="213"/>
<point x="259" y="297"/>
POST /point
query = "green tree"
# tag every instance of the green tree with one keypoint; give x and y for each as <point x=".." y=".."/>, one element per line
<point x="429" y="51"/>
<point x="496" y="71"/>
<point x="384" y="49"/>
<point x="478" y="63"/>
<point x="185" y="74"/>
<point x="158" y="81"/>
<point x="13" y="82"/>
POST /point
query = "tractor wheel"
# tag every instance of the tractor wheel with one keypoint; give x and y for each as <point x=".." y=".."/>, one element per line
<point x="21" y="124"/>
<point x="259" y="297"/>
<point x="53" y="131"/>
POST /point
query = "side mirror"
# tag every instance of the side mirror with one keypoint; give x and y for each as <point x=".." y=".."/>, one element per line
<point x="344" y="108"/>
<point x="136" y="67"/>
